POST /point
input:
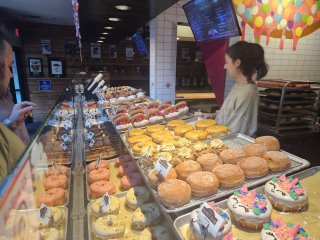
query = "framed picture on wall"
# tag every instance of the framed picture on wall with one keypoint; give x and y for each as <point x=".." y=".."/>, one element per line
<point x="35" y="67"/>
<point x="56" y="67"/>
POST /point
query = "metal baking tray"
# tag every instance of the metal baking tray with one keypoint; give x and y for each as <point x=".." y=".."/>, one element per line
<point x="113" y="178"/>
<point x="182" y="222"/>
<point x="39" y="181"/>
<point x="236" y="141"/>
<point x="126" y="214"/>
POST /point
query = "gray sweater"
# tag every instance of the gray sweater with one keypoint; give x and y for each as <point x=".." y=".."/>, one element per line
<point x="239" y="111"/>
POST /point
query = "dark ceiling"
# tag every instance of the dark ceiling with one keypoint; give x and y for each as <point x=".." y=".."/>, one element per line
<point x="94" y="16"/>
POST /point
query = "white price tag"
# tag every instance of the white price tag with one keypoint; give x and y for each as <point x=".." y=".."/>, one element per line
<point x="98" y="162"/>
<point x="105" y="202"/>
<point x="44" y="214"/>
<point x="90" y="135"/>
<point x="162" y="166"/>
<point x="64" y="146"/>
<point x="91" y="143"/>
<point x="210" y="219"/>
<point x="65" y="138"/>
<point x="115" y="111"/>
<point x="54" y="165"/>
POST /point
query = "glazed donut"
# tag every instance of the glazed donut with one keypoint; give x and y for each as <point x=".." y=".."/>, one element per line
<point x="136" y="132"/>
<point x="182" y="130"/>
<point x="184" y="169"/>
<point x="157" y="137"/>
<point x="203" y="183"/>
<point x="127" y="168"/>
<point x="203" y="124"/>
<point x="99" y="188"/>
<point x="109" y="226"/>
<point x="270" y="142"/>
<point x="175" y="140"/>
<point x="60" y="170"/>
<point x="55" y="181"/>
<point x="113" y="208"/>
<point x="155" y="179"/>
<point x="277" y="161"/>
<point x="53" y="197"/>
<point x="154" y="128"/>
<point x="136" y="149"/>
<point x="175" y="123"/>
<point x="196" y="135"/>
<point x="232" y="156"/>
<point x="131" y="180"/>
<point x="137" y="196"/>
<point x="103" y="164"/>
<point x="209" y="161"/>
<point x="200" y="147"/>
<point x="216" y="131"/>
<point x="255" y="149"/>
<point x="98" y="174"/>
<point x="136" y="139"/>
<point x="254" y="167"/>
<point x="229" y="175"/>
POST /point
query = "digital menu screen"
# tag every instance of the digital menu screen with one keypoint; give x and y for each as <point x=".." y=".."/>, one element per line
<point x="140" y="44"/>
<point x="212" y="19"/>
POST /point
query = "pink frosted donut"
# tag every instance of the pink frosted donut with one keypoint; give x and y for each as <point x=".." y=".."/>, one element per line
<point x="55" y="181"/>
<point x="53" y="197"/>
<point x="103" y="164"/>
<point x="122" y="159"/>
<point x="99" y="188"/>
<point x="98" y="174"/>
<point x="126" y="168"/>
<point x="131" y="180"/>
<point x="61" y="170"/>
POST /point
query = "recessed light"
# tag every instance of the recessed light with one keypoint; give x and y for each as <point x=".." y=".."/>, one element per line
<point x="102" y="38"/>
<point x="105" y="33"/>
<point x="108" y="27"/>
<point x="100" y="41"/>
<point x="114" y="19"/>
<point x="178" y="38"/>
<point x="123" y="7"/>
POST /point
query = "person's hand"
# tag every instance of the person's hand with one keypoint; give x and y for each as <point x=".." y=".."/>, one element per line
<point x="21" y="111"/>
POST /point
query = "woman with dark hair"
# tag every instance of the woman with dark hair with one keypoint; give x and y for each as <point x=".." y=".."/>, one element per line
<point x="245" y="63"/>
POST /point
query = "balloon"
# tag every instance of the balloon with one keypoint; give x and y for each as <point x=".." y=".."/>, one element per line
<point x="247" y="13"/>
<point x="280" y="9"/>
<point x="298" y="31"/>
<point x="247" y="2"/>
<point x="314" y="8"/>
<point x="289" y="24"/>
<point x="259" y="21"/>
<point x="237" y="2"/>
<point x="287" y="13"/>
<point x="304" y="18"/>
<point x="278" y="18"/>
<point x="240" y="9"/>
<point x="309" y="20"/>
<point x="285" y="3"/>
<point x="297" y="17"/>
<point x="268" y="21"/>
<point x="265" y="8"/>
<point x="299" y="3"/>
<point x="255" y="10"/>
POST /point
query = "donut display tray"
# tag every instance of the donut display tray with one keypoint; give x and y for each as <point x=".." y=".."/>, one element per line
<point x="113" y="178"/>
<point x="308" y="219"/>
<point x="126" y="214"/>
<point x="235" y="140"/>
<point x="39" y="180"/>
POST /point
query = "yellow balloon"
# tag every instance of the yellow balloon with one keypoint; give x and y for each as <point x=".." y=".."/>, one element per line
<point x="286" y="13"/>
<point x="309" y="20"/>
<point x="237" y="2"/>
<point x="285" y="3"/>
<point x="298" y="31"/>
<point x="258" y="22"/>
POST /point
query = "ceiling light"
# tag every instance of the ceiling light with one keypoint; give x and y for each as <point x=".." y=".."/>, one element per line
<point x="105" y="33"/>
<point x="123" y="7"/>
<point x="100" y="41"/>
<point x="102" y="38"/>
<point x="114" y="19"/>
<point x="108" y="27"/>
<point x="178" y="38"/>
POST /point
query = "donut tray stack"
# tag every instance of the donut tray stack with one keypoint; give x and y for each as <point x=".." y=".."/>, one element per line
<point x="307" y="218"/>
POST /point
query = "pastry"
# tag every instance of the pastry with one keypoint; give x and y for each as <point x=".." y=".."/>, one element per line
<point x="254" y="167"/>
<point x="137" y="196"/>
<point x="249" y="208"/>
<point x="57" y="171"/>
<point x="122" y="159"/>
<point x="109" y="226"/>
<point x="139" y="120"/>
<point x="175" y="140"/>
<point x="182" y="108"/>
<point x="184" y="169"/>
<point x="153" y="105"/>
<point x="131" y="180"/>
<point x="146" y="215"/>
<point x="232" y="156"/>
<point x="200" y="147"/>
<point x="102" y="164"/>
<point x="154" y="128"/>
<point x="174" y="193"/>
<point x="55" y="181"/>
<point x="113" y="208"/>
<point x="182" y="130"/>
<point x="255" y="149"/>
<point x="183" y="142"/>
<point x="155" y="232"/>
<point x="216" y="131"/>
<point x="136" y="132"/>
<point x="203" y="183"/>
<point x="170" y="113"/>
<point x="229" y="175"/>
<point x="286" y="194"/>
<point x="183" y="154"/>
<point x="136" y="149"/>
<point x="127" y="168"/>
<point x="163" y="106"/>
<point x="199" y="232"/>
<point x="270" y="142"/>
<point x="175" y="123"/>
<point x="155" y="116"/>
<point x="123" y="122"/>
<point x="209" y="161"/>
<point x="165" y="155"/>
<point x="203" y="124"/>
<point x="167" y="147"/>
<point x="98" y="175"/>
<point x="137" y="139"/>
<point x="277" y="161"/>
<point x="53" y="197"/>
<point x="196" y="135"/>
<point x="57" y="216"/>
<point x="278" y="230"/>
<point x="157" y="137"/>
<point x="48" y="233"/>
<point x="99" y="188"/>
<point x="155" y="179"/>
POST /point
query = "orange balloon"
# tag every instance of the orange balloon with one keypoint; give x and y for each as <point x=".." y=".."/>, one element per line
<point x="287" y="13"/>
<point x="247" y="2"/>
<point x="309" y="2"/>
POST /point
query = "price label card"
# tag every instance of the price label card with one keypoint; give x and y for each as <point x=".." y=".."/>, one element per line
<point x="54" y="165"/>
<point x="90" y="135"/>
<point x="91" y="143"/>
<point x="115" y="110"/>
<point x="105" y="202"/>
<point x="210" y="219"/>
<point x="64" y="146"/>
<point x="65" y="138"/>
<point x="163" y="166"/>
<point x="44" y="214"/>
<point x="98" y="162"/>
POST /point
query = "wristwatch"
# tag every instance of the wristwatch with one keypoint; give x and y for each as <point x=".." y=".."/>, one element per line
<point x="9" y="124"/>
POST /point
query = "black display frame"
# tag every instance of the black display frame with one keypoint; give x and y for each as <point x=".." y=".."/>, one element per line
<point x="60" y="72"/>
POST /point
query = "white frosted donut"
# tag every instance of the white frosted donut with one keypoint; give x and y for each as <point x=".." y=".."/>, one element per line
<point x="156" y="232"/>
<point x="109" y="226"/>
<point x="112" y="209"/>
<point x="137" y="196"/>
<point x="57" y="217"/>
<point x="48" y="234"/>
